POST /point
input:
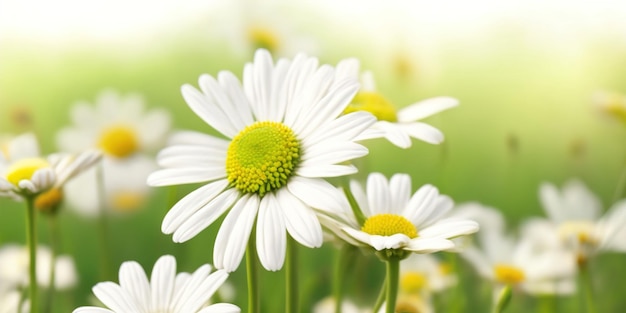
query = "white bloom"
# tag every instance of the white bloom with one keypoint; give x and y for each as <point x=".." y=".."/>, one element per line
<point x="395" y="220"/>
<point x="397" y="126"/>
<point x="127" y="134"/>
<point x="165" y="292"/>
<point x="10" y="300"/>
<point x="327" y="305"/>
<point x="611" y="103"/>
<point x="24" y="172"/>
<point x="424" y="274"/>
<point x="14" y="264"/>
<point x="534" y="263"/>
<point x="575" y="214"/>
<point x="283" y="136"/>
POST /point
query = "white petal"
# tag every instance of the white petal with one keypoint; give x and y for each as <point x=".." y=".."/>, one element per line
<point x="316" y="87"/>
<point x="206" y="215"/>
<point x="394" y="133"/>
<point x="162" y="282"/>
<point x="332" y="170"/>
<point x="197" y="139"/>
<point x="378" y="194"/>
<point x="271" y="236"/>
<point x="91" y="309"/>
<point x="449" y="229"/>
<point x="395" y="241"/>
<point x="203" y="291"/>
<point x="237" y="96"/>
<point x="257" y="80"/>
<point x="207" y="111"/>
<point x="153" y="128"/>
<point x="234" y="233"/>
<point x="23" y="146"/>
<point x="317" y="193"/>
<point x="191" y="156"/>
<point x="185" y="299"/>
<point x="115" y="298"/>
<point x="346" y="127"/>
<point x="423" y="132"/>
<point x="422" y="204"/>
<point x="332" y="153"/>
<point x="301" y="221"/>
<point x="221" y="308"/>
<point x="400" y="190"/>
<point x="429" y="245"/>
<point x="186" y="175"/>
<point x="298" y="77"/>
<point x="360" y="197"/>
<point x="133" y="280"/>
<point x="426" y="108"/>
<point x="347" y="69"/>
<point x="217" y="95"/>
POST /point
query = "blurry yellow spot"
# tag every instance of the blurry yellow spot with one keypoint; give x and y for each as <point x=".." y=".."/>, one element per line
<point x="445" y="268"/>
<point x="24" y="169"/>
<point x="119" y="141"/>
<point x="374" y="103"/>
<point x="389" y="224"/>
<point x="413" y="282"/>
<point x="127" y="201"/>
<point x="404" y="306"/>
<point x="49" y="200"/>
<point x="508" y="274"/>
<point x="262" y="37"/>
<point x="402" y="66"/>
<point x="581" y="231"/>
<point x="615" y="104"/>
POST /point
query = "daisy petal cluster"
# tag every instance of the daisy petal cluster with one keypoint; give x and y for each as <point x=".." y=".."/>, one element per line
<point x="282" y="134"/>
<point x="165" y="292"/>
<point x="14" y="268"/>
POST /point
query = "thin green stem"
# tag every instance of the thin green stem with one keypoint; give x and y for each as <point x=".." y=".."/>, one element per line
<point x="381" y="297"/>
<point x="503" y="300"/>
<point x="103" y="232"/>
<point x="547" y="304"/>
<point x="291" y="277"/>
<point x="53" y="229"/>
<point x="356" y="210"/>
<point x="31" y="239"/>
<point x="252" y="275"/>
<point x="393" y="275"/>
<point x="339" y="274"/>
<point x="587" y="286"/>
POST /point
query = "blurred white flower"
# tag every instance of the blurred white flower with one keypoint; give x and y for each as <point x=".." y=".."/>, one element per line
<point x="10" y="301"/>
<point x="397" y="126"/>
<point x="327" y="305"/>
<point x="165" y="292"/>
<point x="611" y="103"/>
<point x="533" y="263"/>
<point x="14" y="267"/>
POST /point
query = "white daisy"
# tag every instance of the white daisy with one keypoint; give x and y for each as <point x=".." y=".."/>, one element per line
<point x="534" y="263"/>
<point x="283" y="136"/>
<point x="24" y="172"/>
<point x="166" y="292"/>
<point x="10" y="301"/>
<point x="127" y="134"/>
<point x="14" y="264"/>
<point x="611" y="103"/>
<point x="396" y="221"/>
<point x="397" y="126"/>
<point x="327" y="305"/>
<point x="575" y="215"/>
<point x="424" y="274"/>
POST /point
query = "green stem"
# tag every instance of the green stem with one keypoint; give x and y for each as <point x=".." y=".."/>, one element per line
<point x="547" y="304"/>
<point x="252" y="275"/>
<point x="31" y="239"/>
<point x="381" y="297"/>
<point x="291" y="277"/>
<point x="339" y="274"/>
<point x="504" y="297"/>
<point x="393" y="275"/>
<point x="587" y="284"/>
<point x="356" y="210"/>
<point x="54" y="232"/>
<point x="106" y="267"/>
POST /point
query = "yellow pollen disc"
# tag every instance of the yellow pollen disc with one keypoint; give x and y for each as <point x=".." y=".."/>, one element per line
<point x="508" y="274"/>
<point x="374" y="103"/>
<point x="49" y="200"/>
<point x="581" y="231"/>
<point x="389" y="224"/>
<point x="412" y="282"/>
<point x="262" y="157"/>
<point x="615" y="104"/>
<point x="119" y="141"/>
<point x="445" y="268"/>
<point x="405" y="306"/>
<point x="262" y="37"/>
<point x="24" y="169"/>
<point x="127" y="201"/>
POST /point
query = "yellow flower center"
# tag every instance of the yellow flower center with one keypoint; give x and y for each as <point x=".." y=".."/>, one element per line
<point x="407" y="306"/>
<point x="262" y="37"/>
<point x="389" y="224"/>
<point x="508" y="274"/>
<point x="616" y="105"/>
<point x="119" y="141"/>
<point x="24" y="169"/>
<point x="127" y="201"/>
<point x="49" y="200"/>
<point x="374" y="103"/>
<point x="413" y="282"/>
<point x="262" y="157"/>
<point x="582" y="231"/>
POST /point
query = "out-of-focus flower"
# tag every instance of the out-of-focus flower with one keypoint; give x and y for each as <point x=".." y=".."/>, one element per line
<point x="285" y="134"/>
<point x="10" y="301"/>
<point x="24" y="172"/>
<point x="14" y="267"/>
<point x="327" y="305"/>
<point x="533" y="263"/>
<point x="397" y="126"/>
<point x="165" y="292"/>
<point x="575" y="215"/>
<point x="396" y="222"/>
<point x="611" y="103"/>
<point x="127" y="134"/>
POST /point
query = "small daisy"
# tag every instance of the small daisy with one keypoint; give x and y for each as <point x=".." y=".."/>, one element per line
<point x="611" y="103"/>
<point x="575" y="214"/>
<point x="534" y="263"/>
<point x="10" y="301"/>
<point x="14" y="267"/>
<point x="282" y="135"/>
<point x="165" y="292"/>
<point x="127" y="134"/>
<point x="424" y="274"/>
<point x="327" y="305"/>
<point x="397" y="126"/>
<point x="397" y="222"/>
<point x="25" y="173"/>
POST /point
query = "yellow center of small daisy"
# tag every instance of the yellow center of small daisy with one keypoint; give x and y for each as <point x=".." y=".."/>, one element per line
<point x="582" y="231"/>
<point x="616" y="106"/>
<point x="508" y="274"/>
<point x="262" y="157"/>
<point x="119" y="141"/>
<point x="49" y="200"/>
<point x="262" y="37"/>
<point x="413" y="282"/>
<point x="24" y="169"/>
<point x="374" y="103"/>
<point x="389" y="224"/>
<point x="127" y="201"/>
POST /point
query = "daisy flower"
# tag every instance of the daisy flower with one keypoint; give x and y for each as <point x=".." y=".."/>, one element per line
<point x="25" y="173"/>
<point x="165" y="292"/>
<point x="10" y="301"/>
<point x="127" y="134"/>
<point x="14" y="264"/>
<point x="397" y="126"/>
<point x="282" y="134"/>
<point x="396" y="222"/>
<point x="327" y="305"/>
<point x="611" y="103"/>
<point x="533" y="263"/>
<point x="575" y="215"/>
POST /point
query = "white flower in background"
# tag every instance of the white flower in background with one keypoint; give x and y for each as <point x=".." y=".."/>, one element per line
<point x="165" y="292"/>
<point x="534" y="263"/>
<point x="14" y="267"/>
<point x="127" y="134"/>
<point x="575" y="215"/>
<point x="424" y="274"/>
<point x="397" y="126"/>
<point x="10" y="300"/>
<point x="24" y="172"/>
<point x="284" y="135"/>
<point x="327" y="305"/>
<point x="395" y="220"/>
<point x="611" y="103"/>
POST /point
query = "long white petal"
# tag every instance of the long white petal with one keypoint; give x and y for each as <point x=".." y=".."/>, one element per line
<point x="207" y="111"/>
<point x="186" y="175"/>
<point x="317" y="193"/>
<point x="423" y="132"/>
<point x="301" y="221"/>
<point x="426" y="108"/>
<point x="271" y="235"/>
<point x="332" y="153"/>
<point x="115" y="298"/>
<point x="234" y="233"/>
<point x="162" y="282"/>
<point x="205" y="216"/>
<point x="217" y="95"/>
<point x="134" y="281"/>
<point x="378" y="194"/>
<point x="332" y="170"/>
<point x="394" y="133"/>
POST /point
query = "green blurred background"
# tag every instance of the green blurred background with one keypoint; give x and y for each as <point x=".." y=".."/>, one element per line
<point x="525" y="75"/>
